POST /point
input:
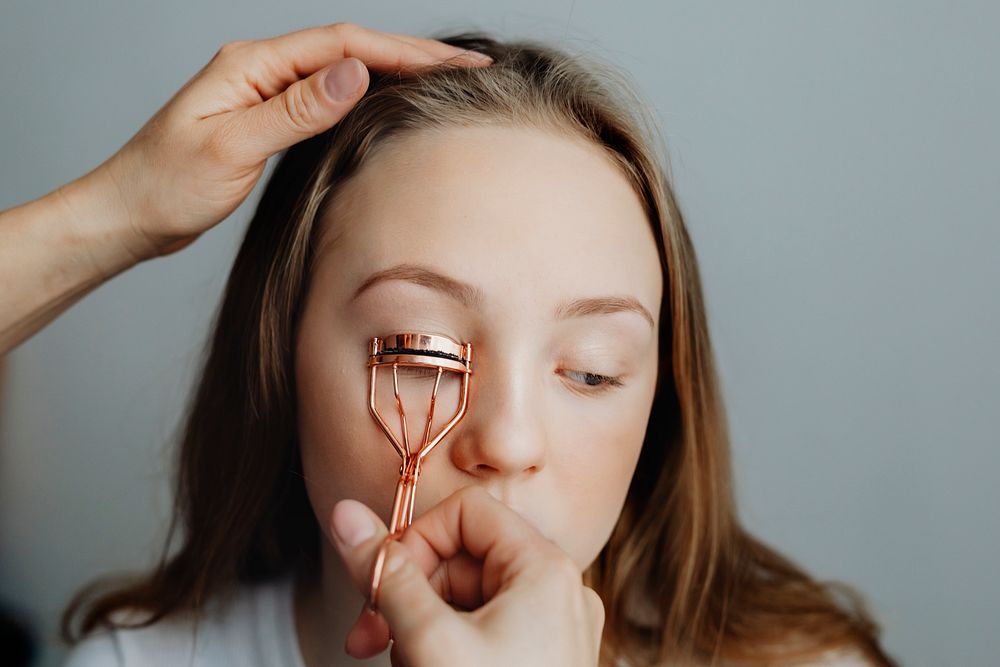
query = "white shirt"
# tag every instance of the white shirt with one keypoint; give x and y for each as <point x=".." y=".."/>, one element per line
<point x="256" y="629"/>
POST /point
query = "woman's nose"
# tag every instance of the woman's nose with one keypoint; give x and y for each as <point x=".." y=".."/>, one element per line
<point x="503" y="433"/>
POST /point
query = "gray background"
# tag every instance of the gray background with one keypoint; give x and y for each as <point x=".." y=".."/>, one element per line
<point x="837" y="163"/>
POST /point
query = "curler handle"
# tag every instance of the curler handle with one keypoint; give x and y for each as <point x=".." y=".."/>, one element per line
<point x="377" y="566"/>
<point x="406" y="493"/>
<point x="402" y="516"/>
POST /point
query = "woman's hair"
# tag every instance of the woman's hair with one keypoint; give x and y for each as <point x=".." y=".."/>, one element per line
<point x="680" y="578"/>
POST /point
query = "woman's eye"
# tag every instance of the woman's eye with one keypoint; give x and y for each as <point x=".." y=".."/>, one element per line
<point x="416" y="372"/>
<point x="593" y="381"/>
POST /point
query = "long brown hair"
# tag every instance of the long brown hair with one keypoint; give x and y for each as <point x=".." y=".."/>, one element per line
<point x="680" y="578"/>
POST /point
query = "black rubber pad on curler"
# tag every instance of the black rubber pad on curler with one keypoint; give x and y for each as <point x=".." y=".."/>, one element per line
<point x="426" y="353"/>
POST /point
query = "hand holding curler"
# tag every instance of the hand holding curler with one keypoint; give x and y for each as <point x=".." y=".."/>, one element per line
<point x="526" y="602"/>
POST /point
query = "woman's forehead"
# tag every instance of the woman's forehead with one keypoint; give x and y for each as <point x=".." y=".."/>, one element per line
<point x="497" y="204"/>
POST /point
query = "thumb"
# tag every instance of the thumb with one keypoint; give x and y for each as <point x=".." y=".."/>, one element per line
<point x="406" y="599"/>
<point x="304" y="109"/>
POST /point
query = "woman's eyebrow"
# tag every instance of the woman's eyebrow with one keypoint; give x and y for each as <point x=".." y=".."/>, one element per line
<point x="605" y="305"/>
<point x="472" y="297"/>
<point x="464" y="293"/>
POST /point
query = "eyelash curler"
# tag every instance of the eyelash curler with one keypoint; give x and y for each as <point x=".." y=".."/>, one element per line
<point x="412" y="350"/>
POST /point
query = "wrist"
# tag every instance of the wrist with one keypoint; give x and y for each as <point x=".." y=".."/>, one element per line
<point x="101" y="221"/>
<point x="57" y="248"/>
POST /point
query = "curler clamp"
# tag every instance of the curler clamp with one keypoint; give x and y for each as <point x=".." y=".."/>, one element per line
<point x="417" y="350"/>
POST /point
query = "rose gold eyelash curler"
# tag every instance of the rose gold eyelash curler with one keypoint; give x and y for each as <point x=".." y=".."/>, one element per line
<point x="412" y="350"/>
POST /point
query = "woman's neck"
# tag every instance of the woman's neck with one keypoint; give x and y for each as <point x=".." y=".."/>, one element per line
<point x="326" y="606"/>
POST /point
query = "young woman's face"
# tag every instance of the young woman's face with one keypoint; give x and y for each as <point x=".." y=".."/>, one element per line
<point x="533" y="247"/>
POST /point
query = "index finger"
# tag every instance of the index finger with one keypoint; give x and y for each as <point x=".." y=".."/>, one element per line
<point x="468" y="520"/>
<point x="471" y="520"/>
<point x="435" y="46"/>
<point x="275" y="63"/>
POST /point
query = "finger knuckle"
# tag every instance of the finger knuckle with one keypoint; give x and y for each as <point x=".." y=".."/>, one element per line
<point x="473" y="492"/>
<point x="344" y="27"/>
<point x="399" y="568"/>
<point x="465" y="496"/>
<point x="230" y="47"/>
<point x="435" y="640"/>
<point x="298" y="106"/>
<point x="560" y="565"/>
<point x="596" y="606"/>
<point x="217" y="145"/>
<point x="237" y="44"/>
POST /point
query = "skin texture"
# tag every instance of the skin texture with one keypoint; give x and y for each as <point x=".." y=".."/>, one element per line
<point x="532" y="220"/>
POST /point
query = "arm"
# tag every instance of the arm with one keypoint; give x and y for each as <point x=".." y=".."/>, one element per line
<point x="57" y="248"/>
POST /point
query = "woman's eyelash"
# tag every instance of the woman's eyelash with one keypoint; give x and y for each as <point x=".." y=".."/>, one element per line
<point x="594" y="381"/>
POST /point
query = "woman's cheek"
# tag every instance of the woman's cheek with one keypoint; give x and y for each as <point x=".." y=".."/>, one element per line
<point x="341" y="451"/>
<point x="598" y="458"/>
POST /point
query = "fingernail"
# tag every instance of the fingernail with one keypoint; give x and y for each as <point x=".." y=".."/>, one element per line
<point x="343" y="79"/>
<point x="395" y="560"/>
<point x="351" y="523"/>
<point x="476" y="57"/>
